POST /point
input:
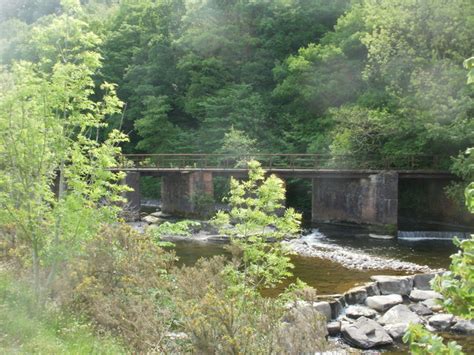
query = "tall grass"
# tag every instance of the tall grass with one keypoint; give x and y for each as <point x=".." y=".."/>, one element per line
<point x="24" y="328"/>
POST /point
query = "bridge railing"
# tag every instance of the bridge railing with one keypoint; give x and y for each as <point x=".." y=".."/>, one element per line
<point x="284" y="161"/>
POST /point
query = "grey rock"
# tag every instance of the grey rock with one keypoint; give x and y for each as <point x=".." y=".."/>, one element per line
<point x="334" y="328"/>
<point x="382" y="303"/>
<point x="324" y="308"/>
<point x="464" y="326"/>
<point x="399" y="314"/>
<point x="401" y="285"/>
<point x="433" y="304"/>
<point x="420" y="309"/>
<point x="336" y="308"/>
<point x="422" y="281"/>
<point x="365" y="333"/>
<point x="355" y="295"/>
<point x="160" y="214"/>
<point x="441" y="321"/>
<point x="423" y="295"/>
<point x="151" y="219"/>
<point x="357" y="311"/>
<point x="372" y="289"/>
<point x="396" y="331"/>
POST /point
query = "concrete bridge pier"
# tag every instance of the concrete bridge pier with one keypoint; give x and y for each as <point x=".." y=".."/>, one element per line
<point x="132" y="180"/>
<point x="370" y="200"/>
<point x="189" y="194"/>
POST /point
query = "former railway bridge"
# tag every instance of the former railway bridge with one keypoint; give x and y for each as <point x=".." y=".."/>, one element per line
<point x="344" y="189"/>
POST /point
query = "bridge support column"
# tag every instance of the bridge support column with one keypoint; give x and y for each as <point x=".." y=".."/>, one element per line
<point x="188" y="194"/>
<point x="370" y="200"/>
<point x="132" y="208"/>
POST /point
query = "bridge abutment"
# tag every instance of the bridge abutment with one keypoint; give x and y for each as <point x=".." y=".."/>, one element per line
<point x="188" y="194"/>
<point x="370" y="200"/>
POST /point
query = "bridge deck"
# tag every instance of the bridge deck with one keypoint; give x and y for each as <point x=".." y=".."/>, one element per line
<point x="288" y="165"/>
<point x="293" y="173"/>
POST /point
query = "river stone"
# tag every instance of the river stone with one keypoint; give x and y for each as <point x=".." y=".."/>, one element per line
<point x="372" y="289"/>
<point x="420" y="309"/>
<point x="355" y="295"/>
<point x="396" y="331"/>
<point x="441" y="321"/>
<point x="365" y="333"/>
<point x="336" y="308"/>
<point x="423" y="295"/>
<point x="334" y="328"/>
<point x="399" y="314"/>
<point x="401" y="285"/>
<point x="324" y="308"/>
<point x="151" y="219"/>
<point x="422" y="281"/>
<point x="357" y="311"/>
<point x="433" y="304"/>
<point x="382" y="303"/>
<point x="160" y="214"/>
<point x="464" y="326"/>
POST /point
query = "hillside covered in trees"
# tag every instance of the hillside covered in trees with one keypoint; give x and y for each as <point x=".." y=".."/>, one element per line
<point x="345" y="77"/>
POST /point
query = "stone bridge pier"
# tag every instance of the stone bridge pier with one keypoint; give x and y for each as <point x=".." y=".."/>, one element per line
<point x="188" y="194"/>
<point x="370" y="199"/>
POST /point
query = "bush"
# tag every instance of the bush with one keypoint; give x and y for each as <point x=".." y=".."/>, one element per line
<point x="25" y="328"/>
<point x="223" y="317"/>
<point x="121" y="283"/>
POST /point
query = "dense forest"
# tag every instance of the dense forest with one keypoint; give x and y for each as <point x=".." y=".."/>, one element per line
<point x="84" y="81"/>
<point x="380" y="77"/>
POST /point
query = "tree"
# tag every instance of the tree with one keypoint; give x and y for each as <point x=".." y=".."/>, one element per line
<point x="49" y="127"/>
<point x="253" y="220"/>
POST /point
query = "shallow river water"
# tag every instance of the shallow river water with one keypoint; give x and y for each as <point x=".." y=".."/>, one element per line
<point x="330" y="277"/>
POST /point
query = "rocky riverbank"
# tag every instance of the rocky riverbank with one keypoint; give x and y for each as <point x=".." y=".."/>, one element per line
<point x="377" y="314"/>
<point x="310" y="245"/>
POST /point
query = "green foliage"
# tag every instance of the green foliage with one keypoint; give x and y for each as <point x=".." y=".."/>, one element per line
<point x="255" y="219"/>
<point x="221" y="318"/>
<point x="25" y="329"/>
<point x="49" y="127"/>
<point x="457" y="284"/>
<point x="181" y="228"/>
<point x="463" y="167"/>
<point x="238" y="147"/>
<point x="422" y="342"/>
<point x="119" y="282"/>
<point x="456" y="287"/>
<point x="469" y="65"/>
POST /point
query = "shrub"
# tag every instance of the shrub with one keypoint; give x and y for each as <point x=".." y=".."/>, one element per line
<point x="121" y="283"/>
<point x="27" y="329"/>
<point x="223" y="317"/>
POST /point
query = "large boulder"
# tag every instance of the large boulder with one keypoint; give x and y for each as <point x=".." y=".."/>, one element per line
<point x="400" y="285"/>
<point x="372" y="289"/>
<point x="324" y="308"/>
<point x="396" y="331"/>
<point x="357" y="311"/>
<point x="422" y="281"/>
<point x="464" y="326"/>
<point x="433" y="304"/>
<point x="382" y="303"/>
<point x="334" y="328"/>
<point x="420" y="309"/>
<point x="355" y="295"/>
<point x="336" y="307"/>
<point x="365" y="334"/>
<point x="441" y="321"/>
<point x="399" y="314"/>
<point x="423" y="295"/>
